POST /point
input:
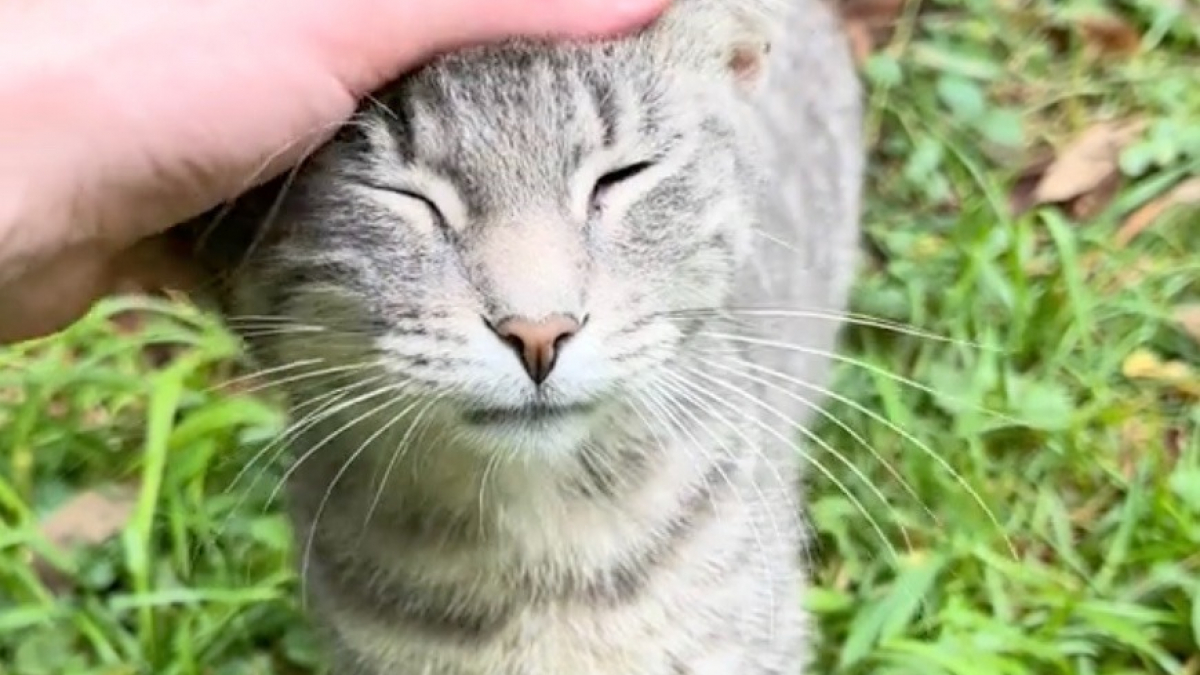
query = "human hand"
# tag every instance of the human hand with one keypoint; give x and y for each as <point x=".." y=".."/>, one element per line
<point x="120" y="118"/>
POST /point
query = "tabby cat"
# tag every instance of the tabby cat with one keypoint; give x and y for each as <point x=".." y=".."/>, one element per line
<point x="552" y="318"/>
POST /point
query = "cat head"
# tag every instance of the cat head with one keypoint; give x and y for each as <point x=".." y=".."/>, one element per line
<point x="517" y="238"/>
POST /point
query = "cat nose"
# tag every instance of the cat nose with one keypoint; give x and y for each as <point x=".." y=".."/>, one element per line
<point x="537" y="343"/>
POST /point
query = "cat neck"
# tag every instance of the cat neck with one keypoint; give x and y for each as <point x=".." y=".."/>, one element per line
<point x="441" y="492"/>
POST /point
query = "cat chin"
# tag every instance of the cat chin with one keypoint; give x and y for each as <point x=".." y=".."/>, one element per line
<point x="542" y="437"/>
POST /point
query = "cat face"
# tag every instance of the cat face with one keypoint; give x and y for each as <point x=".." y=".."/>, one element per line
<point x="515" y="239"/>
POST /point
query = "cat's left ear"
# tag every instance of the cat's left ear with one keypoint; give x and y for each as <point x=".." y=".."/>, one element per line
<point x="746" y="60"/>
<point x="727" y="39"/>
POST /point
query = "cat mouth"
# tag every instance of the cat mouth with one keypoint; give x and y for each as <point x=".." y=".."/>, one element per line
<point x="534" y="412"/>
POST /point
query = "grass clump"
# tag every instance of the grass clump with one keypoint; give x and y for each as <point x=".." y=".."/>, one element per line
<point x="1041" y="467"/>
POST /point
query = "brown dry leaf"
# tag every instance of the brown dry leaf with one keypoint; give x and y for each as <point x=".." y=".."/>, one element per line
<point x="1108" y="35"/>
<point x="1136" y="435"/>
<point x="869" y="23"/>
<point x="1089" y="204"/>
<point x="12" y="395"/>
<point x="872" y="12"/>
<point x="1188" y="318"/>
<point x="1087" y="162"/>
<point x="90" y="518"/>
<point x="1185" y="193"/>
<point x="1021" y="198"/>
<point x="1192" y="667"/>
<point x="1175" y="439"/>
<point x="1145" y="365"/>
<point x="861" y="42"/>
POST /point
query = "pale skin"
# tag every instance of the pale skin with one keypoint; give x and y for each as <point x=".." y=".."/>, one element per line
<point x="120" y="118"/>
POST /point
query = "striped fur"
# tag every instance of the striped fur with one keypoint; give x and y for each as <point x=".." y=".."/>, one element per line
<point x="651" y="526"/>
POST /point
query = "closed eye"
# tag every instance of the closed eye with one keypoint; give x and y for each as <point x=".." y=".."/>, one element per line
<point x="612" y="178"/>
<point x="416" y="196"/>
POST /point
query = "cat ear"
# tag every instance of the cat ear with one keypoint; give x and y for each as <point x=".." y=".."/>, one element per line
<point x="722" y="37"/>
<point x="746" y="62"/>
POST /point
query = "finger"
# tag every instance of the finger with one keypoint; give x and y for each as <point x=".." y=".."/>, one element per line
<point x="54" y="295"/>
<point x="456" y="21"/>
<point x="49" y="297"/>
<point x="372" y="41"/>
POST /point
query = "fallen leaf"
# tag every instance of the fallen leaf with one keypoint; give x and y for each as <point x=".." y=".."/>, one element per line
<point x="1145" y="365"/>
<point x="1188" y="318"/>
<point x="1021" y="198"/>
<point x="1174" y="440"/>
<point x="869" y="23"/>
<point x="1089" y="204"/>
<point x="1141" y="364"/>
<point x="1108" y="35"/>
<point x="1183" y="194"/>
<point x="12" y="395"/>
<point x="1141" y="439"/>
<point x="862" y="45"/>
<point x="88" y="519"/>
<point x="872" y="12"/>
<point x="1087" y="162"/>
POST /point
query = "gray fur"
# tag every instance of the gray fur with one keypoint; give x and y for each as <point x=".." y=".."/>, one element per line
<point x="656" y="530"/>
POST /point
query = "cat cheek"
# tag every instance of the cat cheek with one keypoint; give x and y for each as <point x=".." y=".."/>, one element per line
<point x="607" y="219"/>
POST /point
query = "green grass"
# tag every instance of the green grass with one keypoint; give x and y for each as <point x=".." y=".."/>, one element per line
<point x="1042" y="509"/>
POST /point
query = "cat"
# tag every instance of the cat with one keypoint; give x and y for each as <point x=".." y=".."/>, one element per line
<point x="552" y="317"/>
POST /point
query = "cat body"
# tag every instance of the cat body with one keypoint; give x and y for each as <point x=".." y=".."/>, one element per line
<point x="528" y="308"/>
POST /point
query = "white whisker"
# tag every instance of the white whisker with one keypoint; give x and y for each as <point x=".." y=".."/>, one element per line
<point x="864" y="320"/>
<point x="401" y="450"/>
<point x="876" y="370"/>
<point x="827" y="415"/>
<point x="258" y="374"/>
<point x="313" y="449"/>
<point x="829" y="475"/>
<point x="759" y="541"/>
<point x="296" y="427"/>
<point x="362" y="447"/>
<point x="924" y="447"/>
<point x="292" y="379"/>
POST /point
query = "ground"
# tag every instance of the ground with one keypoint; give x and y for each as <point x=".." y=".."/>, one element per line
<point x="1025" y="490"/>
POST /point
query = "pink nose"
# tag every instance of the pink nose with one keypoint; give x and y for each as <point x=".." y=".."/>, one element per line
<point x="537" y="343"/>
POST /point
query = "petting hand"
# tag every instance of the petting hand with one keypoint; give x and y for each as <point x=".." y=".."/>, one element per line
<point x="120" y="118"/>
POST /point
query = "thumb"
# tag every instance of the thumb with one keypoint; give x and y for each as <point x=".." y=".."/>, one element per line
<point x="369" y="42"/>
